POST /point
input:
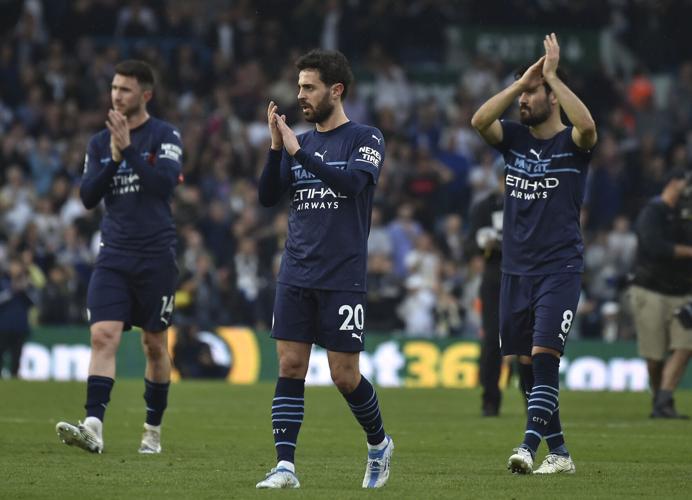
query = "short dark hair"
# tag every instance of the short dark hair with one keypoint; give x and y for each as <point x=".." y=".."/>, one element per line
<point x="332" y="66"/>
<point x="677" y="173"/>
<point x="140" y="70"/>
<point x="561" y="74"/>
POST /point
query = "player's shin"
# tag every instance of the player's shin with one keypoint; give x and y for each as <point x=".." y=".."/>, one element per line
<point x="156" y="399"/>
<point x="98" y="395"/>
<point x="554" y="437"/>
<point x="543" y="400"/>
<point x="526" y="379"/>
<point x="288" y="409"/>
<point x="366" y="408"/>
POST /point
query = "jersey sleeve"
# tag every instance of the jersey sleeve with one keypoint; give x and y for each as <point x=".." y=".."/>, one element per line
<point x="368" y="155"/>
<point x="96" y="177"/>
<point x="165" y="172"/>
<point x="275" y="178"/>
<point x="584" y="155"/>
<point x="510" y="130"/>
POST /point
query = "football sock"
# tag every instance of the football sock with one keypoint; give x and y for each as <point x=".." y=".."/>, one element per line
<point x="543" y="400"/>
<point x="98" y="395"/>
<point x="526" y="380"/>
<point x="156" y="398"/>
<point x="554" y="437"/>
<point x="365" y="407"/>
<point x="288" y="408"/>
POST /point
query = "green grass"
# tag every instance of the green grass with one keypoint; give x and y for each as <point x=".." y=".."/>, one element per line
<point x="218" y="444"/>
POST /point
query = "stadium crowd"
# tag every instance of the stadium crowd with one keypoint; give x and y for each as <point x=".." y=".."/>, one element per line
<point x="218" y="64"/>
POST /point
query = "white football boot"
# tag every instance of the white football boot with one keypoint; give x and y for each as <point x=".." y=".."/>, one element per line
<point x="279" y="477"/>
<point x="151" y="440"/>
<point x="87" y="435"/>
<point x="554" y="464"/>
<point x="521" y="462"/>
<point x="377" y="468"/>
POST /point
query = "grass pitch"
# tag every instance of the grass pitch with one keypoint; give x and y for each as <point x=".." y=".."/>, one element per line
<point x="218" y="443"/>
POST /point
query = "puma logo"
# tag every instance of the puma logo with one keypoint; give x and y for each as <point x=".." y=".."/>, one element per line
<point x="562" y="337"/>
<point x="538" y="155"/>
<point x="321" y="156"/>
<point x="358" y="336"/>
<point x="378" y="139"/>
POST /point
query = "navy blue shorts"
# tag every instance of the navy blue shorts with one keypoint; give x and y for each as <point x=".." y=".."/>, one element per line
<point x="331" y="319"/>
<point x="138" y="291"/>
<point x="537" y="311"/>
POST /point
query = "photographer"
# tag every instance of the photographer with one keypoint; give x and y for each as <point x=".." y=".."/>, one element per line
<point x="662" y="284"/>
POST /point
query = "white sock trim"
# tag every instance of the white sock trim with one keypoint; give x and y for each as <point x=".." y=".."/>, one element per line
<point x="379" y="446"/>
<point x="285" y="464"/>
<point x="94" y="424"/>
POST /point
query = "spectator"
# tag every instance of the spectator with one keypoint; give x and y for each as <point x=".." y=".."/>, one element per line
<point x="16" y="299"/>
<point x="57" y="301"/>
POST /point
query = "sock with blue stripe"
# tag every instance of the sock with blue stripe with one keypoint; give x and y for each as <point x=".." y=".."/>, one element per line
<point x="156" y="399"/>
<point x="543" y="400"/>
<point x="288" y="408"/>
<point x="365" y="407"/>
<point x="98" y="395"/>
<point x="554" y="437"/>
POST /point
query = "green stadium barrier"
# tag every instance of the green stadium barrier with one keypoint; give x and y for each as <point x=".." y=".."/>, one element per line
<point x="579" y="48"/>
<point x="390" y="361"/>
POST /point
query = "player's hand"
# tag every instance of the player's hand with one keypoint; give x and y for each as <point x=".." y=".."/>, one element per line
<point x="272" y="112"/>
<point x="288" y="136"/>
<point x="552" y="56"/>
<point x="120" y="132"/>
<point x="115" y="152"/>
<point x="533" y="76"/>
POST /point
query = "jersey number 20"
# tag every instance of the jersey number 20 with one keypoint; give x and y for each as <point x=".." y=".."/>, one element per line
<point x="353" y="315"/>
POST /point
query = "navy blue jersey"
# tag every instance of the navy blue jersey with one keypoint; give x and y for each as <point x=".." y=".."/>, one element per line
<point x="137" y="192"/>
<point x="544" y="181"/>
<point x="328" y="231"/>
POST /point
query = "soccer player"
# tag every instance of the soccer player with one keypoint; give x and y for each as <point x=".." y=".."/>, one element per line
<point x="134" y="165"/>
<point x="546" y="163"/>
<point x="330" y="173"/>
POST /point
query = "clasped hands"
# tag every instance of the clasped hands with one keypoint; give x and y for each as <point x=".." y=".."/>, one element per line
<point x="120" y="134"/>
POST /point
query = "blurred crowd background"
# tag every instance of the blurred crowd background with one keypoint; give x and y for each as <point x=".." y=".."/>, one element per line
<point x="422" y="68"/>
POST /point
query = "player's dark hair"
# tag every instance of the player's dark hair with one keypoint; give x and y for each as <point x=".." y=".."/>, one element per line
<point x="561" y="74"/>
<point x="332" y="66"/>
<point x="139" y="70"/>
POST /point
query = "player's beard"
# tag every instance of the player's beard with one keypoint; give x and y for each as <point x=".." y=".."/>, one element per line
<point x="535" y="116"/>
<point x="321" y="112"/>
<point x="128" y="111"/>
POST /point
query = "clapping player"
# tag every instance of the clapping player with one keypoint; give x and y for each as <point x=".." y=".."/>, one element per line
<point x="134" y="165"/>
<point x="546" y="164"/>
<point x="330" y="174"/>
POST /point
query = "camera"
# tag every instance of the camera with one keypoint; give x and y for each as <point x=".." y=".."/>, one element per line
<point x="684" y="314"/>
<point x="686" y="198"/>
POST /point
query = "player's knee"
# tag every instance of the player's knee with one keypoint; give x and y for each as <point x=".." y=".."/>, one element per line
<point x="104" y="338"/>
<point x="292" y="366"/>
<point x="345" y="379"/>
<point x="154" y="347"/>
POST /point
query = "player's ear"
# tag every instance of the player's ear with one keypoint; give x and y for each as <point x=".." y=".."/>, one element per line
<point x="147" y="95"/>
<point x="337" y="90"/>
<point x="553" y="98"/>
